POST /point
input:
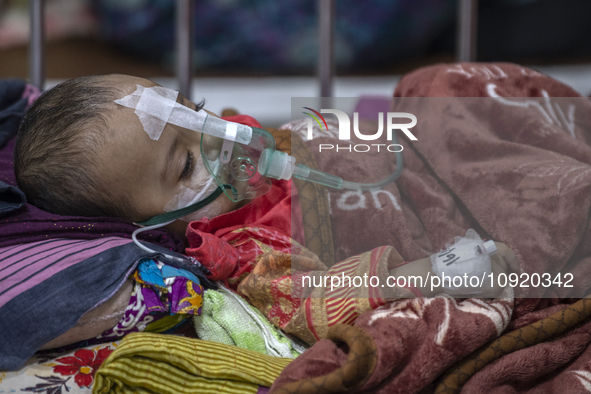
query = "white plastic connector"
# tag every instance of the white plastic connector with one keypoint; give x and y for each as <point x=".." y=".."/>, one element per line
<point x="490" y="247"/>
<point x="281" y="165"/>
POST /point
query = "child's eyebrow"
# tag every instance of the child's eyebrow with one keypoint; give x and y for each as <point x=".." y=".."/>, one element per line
<point x="166" y="169"/>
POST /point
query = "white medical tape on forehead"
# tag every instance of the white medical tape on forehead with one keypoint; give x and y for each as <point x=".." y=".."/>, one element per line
<point x="156" y="106"/>
<point x="228" y="146"/>
<point x="154" y="112"/>
<point x="150" y="109"/>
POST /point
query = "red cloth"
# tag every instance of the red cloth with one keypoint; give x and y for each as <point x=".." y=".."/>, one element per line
<point x="227" y="245"/>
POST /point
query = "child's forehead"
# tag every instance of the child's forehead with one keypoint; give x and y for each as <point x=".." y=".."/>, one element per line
<point x="118" y="117"/>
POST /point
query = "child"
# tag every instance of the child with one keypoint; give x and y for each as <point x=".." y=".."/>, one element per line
<point x="80" y="153"/>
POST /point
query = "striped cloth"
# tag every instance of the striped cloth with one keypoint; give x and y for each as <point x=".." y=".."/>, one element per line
<point x="154" y="363"/>
<point x="24" y="266"/>
<point x="46" y="286"/>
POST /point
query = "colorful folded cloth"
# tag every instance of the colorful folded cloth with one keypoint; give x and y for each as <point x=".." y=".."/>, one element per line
<point x="162" y="297"/>
<point x="227" y="318"/>
<point x="155" y="363"/>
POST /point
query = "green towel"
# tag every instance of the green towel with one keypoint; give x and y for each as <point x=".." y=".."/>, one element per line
<point x="226" y="318"/>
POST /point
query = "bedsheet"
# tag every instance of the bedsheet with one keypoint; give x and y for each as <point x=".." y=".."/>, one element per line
<point x="58" y="372"/>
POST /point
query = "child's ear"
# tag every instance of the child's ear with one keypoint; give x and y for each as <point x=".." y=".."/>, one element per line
<point x="229" y="112"/>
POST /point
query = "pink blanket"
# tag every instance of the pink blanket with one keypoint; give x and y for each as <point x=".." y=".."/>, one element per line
<point x="523" y="178"/>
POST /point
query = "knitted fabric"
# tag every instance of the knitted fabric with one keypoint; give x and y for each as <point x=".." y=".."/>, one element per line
<point x="227" y="319"/>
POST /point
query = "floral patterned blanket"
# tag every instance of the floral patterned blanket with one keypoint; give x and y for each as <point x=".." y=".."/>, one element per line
<point x="56" y="373"/>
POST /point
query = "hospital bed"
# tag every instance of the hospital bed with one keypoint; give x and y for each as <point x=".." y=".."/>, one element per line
<point x="42" y="374"/>
<point x="466" y="38"/>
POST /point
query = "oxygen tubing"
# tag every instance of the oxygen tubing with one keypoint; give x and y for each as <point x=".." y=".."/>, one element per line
<point x="306" y="173"/>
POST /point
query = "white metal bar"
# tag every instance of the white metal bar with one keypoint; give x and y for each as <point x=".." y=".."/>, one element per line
<point x="326" y="66"/>
<point x="36" y="43"/>
<point x="467" y="30"/>
<point x="184" y="46"/>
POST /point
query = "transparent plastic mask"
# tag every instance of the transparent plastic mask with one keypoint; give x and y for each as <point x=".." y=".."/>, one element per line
<point x="237" y="164"/>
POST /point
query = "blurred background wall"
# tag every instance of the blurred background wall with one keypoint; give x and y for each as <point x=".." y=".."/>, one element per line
<point x="269" y="48"/>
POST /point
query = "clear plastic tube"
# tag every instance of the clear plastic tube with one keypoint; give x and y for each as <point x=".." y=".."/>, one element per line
<point x="145" y="248"/>
<point x="308" y="174"/>
<point x="303" y="172"/>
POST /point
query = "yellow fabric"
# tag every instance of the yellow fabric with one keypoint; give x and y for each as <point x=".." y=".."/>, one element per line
<point x="165" y="323"/>
<point x="153" y="363"/>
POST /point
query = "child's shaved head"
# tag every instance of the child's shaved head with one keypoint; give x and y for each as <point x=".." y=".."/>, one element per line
<point x="57" y="145"/>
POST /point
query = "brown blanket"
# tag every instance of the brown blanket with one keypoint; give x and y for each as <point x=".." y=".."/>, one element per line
<point x="522" y="178"/>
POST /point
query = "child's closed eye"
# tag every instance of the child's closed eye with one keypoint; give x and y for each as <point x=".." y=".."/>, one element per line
<point x="189" y="166"/>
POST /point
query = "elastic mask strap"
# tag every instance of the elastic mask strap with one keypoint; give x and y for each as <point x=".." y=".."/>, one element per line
<point x="179" y="213"/>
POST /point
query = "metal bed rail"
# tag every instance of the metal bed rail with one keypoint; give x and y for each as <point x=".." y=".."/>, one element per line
<point x="37" y="43"/>
<point x="466" y="33"/>
<point x="466" y="42"/>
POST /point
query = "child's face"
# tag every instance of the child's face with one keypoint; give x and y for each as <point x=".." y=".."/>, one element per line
<point x="145" y="172"/>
